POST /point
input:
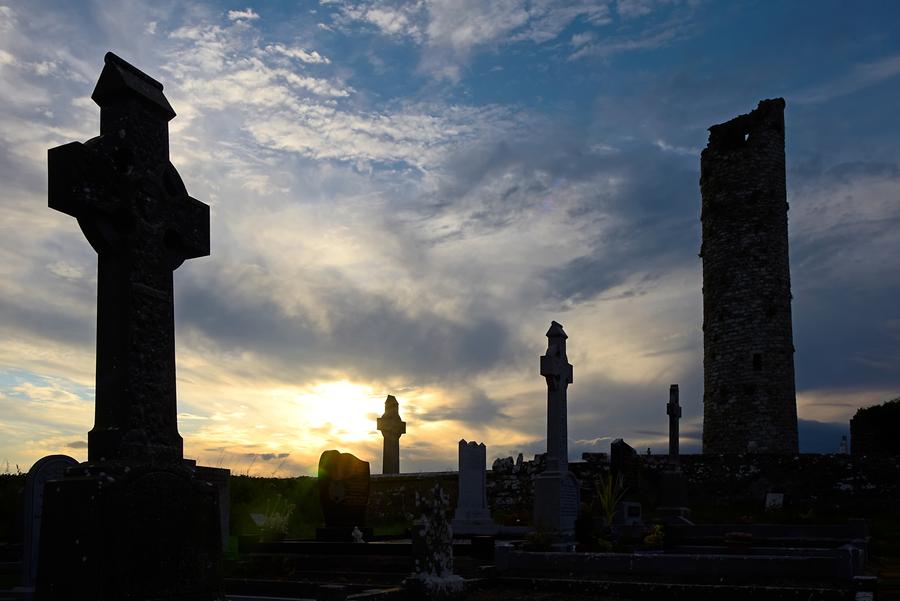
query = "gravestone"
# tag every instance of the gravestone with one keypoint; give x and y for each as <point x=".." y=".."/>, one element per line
<point x="134" y="522"/>
<point x="624" y="462"/>
<point x="392" y="428"/>
<point x="673" y="410"/>
<point x="219" y="478"/>
<point x="51" y="467"/>
<point x="472" y="514"/>
<point x="432" y="540"/>
<point x="556" y="491"/>
<point x="343" y="494"/>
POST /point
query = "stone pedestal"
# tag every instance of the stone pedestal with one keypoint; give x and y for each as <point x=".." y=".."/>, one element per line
<point x="556" y="501"/>
<point x="115" y="532"/>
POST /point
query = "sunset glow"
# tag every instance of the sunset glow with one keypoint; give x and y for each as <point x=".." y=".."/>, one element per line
<point x="403" y="195"/>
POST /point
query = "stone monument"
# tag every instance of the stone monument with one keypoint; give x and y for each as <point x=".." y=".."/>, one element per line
<point x="432" y="541"/>
<point x="749" y="400"/>
<point x="134" y="521"/>
<point x="673" y="410"/>
<point x="392" y="428"/>
<point x="556" y="491"/>
<point x="472" y="514"/>
<point x="343" y="484"/>
<point x="51" y="467"/>
<point x="672" y="486"/>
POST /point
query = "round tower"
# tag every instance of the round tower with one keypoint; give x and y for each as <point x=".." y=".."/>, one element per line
<point x="749" y="401"/>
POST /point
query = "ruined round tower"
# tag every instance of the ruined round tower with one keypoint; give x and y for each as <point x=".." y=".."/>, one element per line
<point x="749" y="401"/>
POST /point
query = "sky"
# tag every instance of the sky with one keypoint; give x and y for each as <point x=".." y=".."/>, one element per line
<point x="404" y="194"/>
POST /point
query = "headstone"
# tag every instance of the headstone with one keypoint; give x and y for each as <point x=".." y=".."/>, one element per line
<point x="134" y="522"/>
<point x="51" y="467"/>
<point x="433" y="577"/>
<point x="673" y="410"/>
<point x="219" y="478"/>
<point x="624" y="462"/>
<point x="343" y="494"/>
<point x="556" y="491"/>
<point x="392" y="428"/>
<point x="472" y="513"/>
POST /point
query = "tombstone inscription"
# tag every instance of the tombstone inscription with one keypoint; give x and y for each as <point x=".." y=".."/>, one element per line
<point x="134" y="522"/>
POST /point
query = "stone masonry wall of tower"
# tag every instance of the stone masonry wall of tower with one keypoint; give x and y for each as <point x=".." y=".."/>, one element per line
<point x="749" y="400"/>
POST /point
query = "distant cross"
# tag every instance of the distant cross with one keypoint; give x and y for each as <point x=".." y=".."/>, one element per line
<point x="134" y="210"/>
<point x="556" y="369"/>
<point x="673" y="410"/>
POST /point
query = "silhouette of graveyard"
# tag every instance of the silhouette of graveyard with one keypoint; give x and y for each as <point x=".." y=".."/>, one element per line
<point x="139" y="521"/>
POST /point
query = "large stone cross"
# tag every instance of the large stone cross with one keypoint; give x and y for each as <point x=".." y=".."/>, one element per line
<point x="556" y="369"/>
<point x="673" y="410"/>
<point x="134" y="210"/>
<point x="392" y="428"/>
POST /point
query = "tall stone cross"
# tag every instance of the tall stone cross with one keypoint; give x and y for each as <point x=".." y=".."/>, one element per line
<point x="673" y="410"/>
<point x="556" y="369"/>
<point x="134" y="210"/>
<point x="392" y="428"/>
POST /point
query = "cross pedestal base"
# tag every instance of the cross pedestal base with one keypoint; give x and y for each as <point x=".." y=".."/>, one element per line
<point x="467" y="522"/>
<point x="115" y="531"/>
<point x="556" y="500"/>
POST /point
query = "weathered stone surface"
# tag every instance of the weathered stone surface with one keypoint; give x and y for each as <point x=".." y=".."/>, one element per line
<point x="344" y="494"/>
<point x="141" y="532"/>
<point x="749" y="401"/>
<point x="472" y="514"/>
<point x="392" y="428"/>
<point x="433" y="577"/>
<point x="51" y="467"/>
<point x="134" y="522"/>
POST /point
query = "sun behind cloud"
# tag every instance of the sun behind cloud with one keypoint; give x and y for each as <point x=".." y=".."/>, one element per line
<point x="338" y="411"/>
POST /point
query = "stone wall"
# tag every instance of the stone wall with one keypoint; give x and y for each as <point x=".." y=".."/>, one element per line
<point x="749" y="398"/>
<point x="720" y="487"/>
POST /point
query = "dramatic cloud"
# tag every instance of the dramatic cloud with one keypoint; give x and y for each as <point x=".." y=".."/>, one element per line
<point x="404" y="194"/>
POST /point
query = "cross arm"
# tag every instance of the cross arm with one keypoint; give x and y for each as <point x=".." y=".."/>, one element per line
<point x="78" y="181"/>
<point x="555" y="367"/>
<point x="188" y="234"/>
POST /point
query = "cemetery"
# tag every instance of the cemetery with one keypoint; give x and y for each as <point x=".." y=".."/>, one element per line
<point x="749" y="518"/>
